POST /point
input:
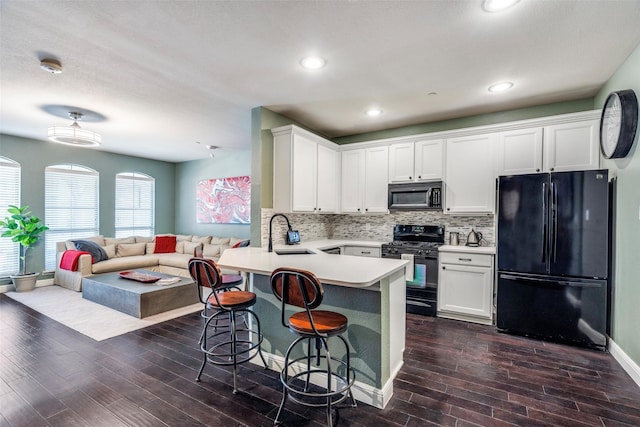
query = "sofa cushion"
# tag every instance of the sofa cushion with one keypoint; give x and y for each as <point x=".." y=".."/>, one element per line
<point x="97" y="239"/>
<point x="201" y="239"/>
<point x="183" y="237"/>
<point x="233" y="241"/>
<point x="175" y="260"/>
<point x="130" y="249"/>
<point x="242" y="244"/>
<point x="110" y="250"/>
<point x="144" y="239"/>
<point x="110" y="241"/>
<point x="97" y="253"/>
<point x="220" y="241"/>
<point x="125" y="263"/>
<point x="190" y="247"/>
<point x="165" y="244"/>
<point x="210" y="251"/>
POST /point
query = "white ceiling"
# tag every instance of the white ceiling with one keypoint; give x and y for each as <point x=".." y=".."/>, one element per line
<point x="162" y="75"/>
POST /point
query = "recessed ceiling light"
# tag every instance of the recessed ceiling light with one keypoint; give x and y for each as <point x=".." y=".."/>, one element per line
<point x="372" y="112"/>
<point x="498" y="5"/>
<point x="500" y="87"/>
<point x="313" y="62"/>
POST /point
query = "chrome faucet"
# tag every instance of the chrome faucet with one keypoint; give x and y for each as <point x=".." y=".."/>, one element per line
<point x="270" y="248"/>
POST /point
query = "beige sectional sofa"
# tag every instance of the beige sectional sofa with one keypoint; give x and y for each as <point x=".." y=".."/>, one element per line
<point x="138" y="253"/>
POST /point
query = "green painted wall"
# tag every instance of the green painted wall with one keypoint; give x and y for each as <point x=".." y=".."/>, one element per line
<point x="34" y="156"/>
<point x="626" y="316"/>
<point x="262" y="121"/>
<point x="472" y="121"/>
<point x="227" y="163"/>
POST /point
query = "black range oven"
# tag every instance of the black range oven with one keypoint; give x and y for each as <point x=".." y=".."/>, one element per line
<point x="418" y="243"/>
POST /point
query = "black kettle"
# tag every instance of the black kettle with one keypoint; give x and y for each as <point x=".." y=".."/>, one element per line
<point x="474" y="238"/>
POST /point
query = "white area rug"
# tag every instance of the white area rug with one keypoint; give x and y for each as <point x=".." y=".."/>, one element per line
<point x="93" y="320"/>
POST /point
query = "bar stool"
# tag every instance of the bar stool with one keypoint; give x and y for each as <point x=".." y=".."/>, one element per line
<point x="229" y="282"/>
<point x="230" y="344"/>
<point x="302" y="288"/>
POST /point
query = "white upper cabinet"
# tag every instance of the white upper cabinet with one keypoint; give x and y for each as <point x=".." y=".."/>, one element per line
<point x="401" y="159"/>
<point x="364" y="180"/>
<point x="416" y="161"/>
<point x="305" y="172"/>
<point x="469" y="175"/>
<point x="328" y="183"/>
<point x="376" y="179"/>
<point x="429" y="159"/>
<point x="572" y="146"/>
<point x="519" y="151"/>
<point x="352" y="179"/>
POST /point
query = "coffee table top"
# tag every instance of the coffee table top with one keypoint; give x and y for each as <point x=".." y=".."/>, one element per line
<point x="114" y="280"/>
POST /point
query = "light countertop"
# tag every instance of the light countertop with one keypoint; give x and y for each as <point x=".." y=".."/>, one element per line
<point x="490" y="250"/>
<point x="342" y="270"/>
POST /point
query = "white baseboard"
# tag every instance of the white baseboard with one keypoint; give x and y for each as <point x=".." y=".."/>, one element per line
<point x="361" y="392"/>
<point x="625" y="361"/>
<point x="39" y="284"/>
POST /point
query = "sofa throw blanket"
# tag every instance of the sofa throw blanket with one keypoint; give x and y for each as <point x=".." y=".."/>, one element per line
<point x="69" y="260"/>
<point x="97" y="252"/>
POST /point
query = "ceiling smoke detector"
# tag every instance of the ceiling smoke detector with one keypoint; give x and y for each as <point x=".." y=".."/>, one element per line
<point x="51" y="66"/>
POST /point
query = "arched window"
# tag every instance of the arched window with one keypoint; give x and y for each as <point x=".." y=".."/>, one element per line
<point x="70" y="206"/>
<point x="9" y="195"/>
<point x="135" y="204"/>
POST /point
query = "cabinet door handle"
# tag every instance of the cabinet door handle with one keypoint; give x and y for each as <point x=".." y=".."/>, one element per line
<point x="443" y="267"/>
<point x="358" y="209"/>
<point x="366" y="210"/>
<point x="319" y="209"/>
<point x="419" y="176"/>
<point x="410" y="178"/>
<point x="366" y="252"/>
<point x="464" y="259"/>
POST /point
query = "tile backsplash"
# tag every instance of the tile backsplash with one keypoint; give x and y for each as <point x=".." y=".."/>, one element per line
<point x="373" y="227"/>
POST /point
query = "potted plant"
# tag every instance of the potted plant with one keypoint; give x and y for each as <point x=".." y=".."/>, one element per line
<point x="24" y="228"/>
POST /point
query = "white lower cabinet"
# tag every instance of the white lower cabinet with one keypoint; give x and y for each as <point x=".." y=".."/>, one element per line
<point x="465" y="286"/>
<point x="362" y="251"/>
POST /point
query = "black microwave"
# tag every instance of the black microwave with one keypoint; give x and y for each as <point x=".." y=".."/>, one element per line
<point x="416" y="195"/>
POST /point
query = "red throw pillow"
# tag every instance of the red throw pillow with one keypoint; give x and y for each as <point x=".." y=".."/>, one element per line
<point x="165" y="245"/>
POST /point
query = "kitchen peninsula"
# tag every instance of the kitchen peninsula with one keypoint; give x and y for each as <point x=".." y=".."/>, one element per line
<point x="369" y="291"/>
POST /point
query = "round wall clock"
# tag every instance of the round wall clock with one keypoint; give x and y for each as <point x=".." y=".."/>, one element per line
<point x="618" y="124"/>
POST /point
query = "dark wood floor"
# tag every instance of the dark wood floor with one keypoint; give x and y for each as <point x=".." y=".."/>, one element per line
<point x="455" y="374"/>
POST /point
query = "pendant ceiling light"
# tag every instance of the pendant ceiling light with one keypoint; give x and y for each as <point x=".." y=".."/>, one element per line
<point x="74" y="134"/>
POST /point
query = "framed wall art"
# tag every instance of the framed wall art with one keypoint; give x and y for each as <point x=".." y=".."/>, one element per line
<point x="224" y="200"/>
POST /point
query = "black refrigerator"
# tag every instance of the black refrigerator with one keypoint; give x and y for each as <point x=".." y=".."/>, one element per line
<point x="553" y="247"/>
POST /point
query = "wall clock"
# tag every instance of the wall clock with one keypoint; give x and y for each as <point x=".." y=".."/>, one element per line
<point x="618" y="124"/>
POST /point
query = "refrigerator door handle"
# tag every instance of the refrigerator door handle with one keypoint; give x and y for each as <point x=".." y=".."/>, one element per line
<point x="554" y="220"/>
<point x="580" y="284"/>
<point x="545" y="223"/>
<point x="525" y="279"/>
<point x="576" y="284"/>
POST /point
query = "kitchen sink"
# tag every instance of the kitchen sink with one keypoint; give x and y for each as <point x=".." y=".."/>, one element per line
<point x="298" y="251"/>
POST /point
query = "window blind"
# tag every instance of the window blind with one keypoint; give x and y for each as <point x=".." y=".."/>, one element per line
<point x="71" y="206"/>
<point x="135" y="205"/>
<point x="9" y="195"/>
